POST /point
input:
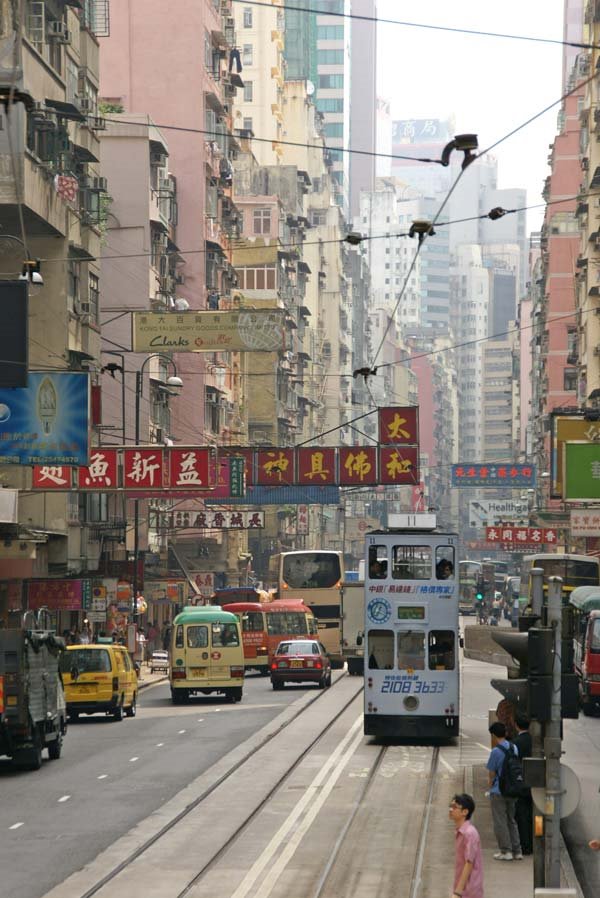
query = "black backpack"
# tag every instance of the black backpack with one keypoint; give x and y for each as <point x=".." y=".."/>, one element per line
<point x="510" y="779"/>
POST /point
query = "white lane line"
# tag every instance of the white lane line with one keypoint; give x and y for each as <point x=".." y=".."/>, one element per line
<point x="159" y="744"/>
<point x="200" y="719"/>
<point x="484" y="747"/>
<point x="103" y="776"/>
<point x="446" y="764"/>
<point x="131" y="760"/>
<point x="292" y="831"/>
<point x="64" y="798"/>
<point x="16" y="825"/>
<point x="181" y="732"/>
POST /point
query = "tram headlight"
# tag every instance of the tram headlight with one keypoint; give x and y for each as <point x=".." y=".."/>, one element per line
<point x="411" y="703"/>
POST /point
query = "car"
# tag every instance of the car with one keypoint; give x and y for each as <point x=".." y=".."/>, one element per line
<point x="159" y="660"/>
<point x="99" y="678"/>
<point x="298" y="661"/>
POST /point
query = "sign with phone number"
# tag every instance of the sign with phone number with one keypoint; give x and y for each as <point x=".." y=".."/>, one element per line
<point x="394" y="685"/>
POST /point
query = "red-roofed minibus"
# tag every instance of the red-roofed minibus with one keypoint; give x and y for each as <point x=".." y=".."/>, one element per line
<point x="266" y="624"/>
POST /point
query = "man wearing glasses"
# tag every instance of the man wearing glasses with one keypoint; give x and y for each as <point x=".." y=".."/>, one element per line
<point x="468" y="866"/>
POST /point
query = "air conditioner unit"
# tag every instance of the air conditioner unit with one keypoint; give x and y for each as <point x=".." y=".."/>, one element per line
<point x="82" y="308"/>
<point x="158" y="159"/>
<point x="229" y="22"/>
<point x="100" y="184"/>
<point x="97" y="123"/>
<point x="85" y="104"/>
<point x="57" y="31"/>
<point x="180" y="279"/>
<point x="165" y="185"/>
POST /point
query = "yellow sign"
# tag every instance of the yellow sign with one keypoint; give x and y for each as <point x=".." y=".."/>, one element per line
<point x="243" y="330"/>
<point x="568" y="429"/>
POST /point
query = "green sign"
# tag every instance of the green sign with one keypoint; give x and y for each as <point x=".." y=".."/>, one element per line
<point x="411" y="612"/>
<point x="236" y="476"/>
<point x="581" y="477"/>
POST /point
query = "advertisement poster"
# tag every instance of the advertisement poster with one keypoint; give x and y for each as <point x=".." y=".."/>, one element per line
<point x="238" y="331"/>
<point x="46" y="422"/>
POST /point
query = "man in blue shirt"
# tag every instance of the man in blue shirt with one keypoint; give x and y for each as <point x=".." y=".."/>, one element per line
<point x="503" y="808"/>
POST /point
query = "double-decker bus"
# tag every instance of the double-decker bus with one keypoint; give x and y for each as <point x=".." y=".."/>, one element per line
<point x="315" y="576"/>
<point x="266" y="624"/>
<point x="411" y="629"/>
<point x="469" y="573"/>
<point x="575" y="570"/>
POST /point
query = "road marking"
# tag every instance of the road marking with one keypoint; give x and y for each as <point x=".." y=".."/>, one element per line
<point x="159" y="744"/>
<point x="131" y="760"/>
<point x="16" y="825"/>
<point x="64" y="798"/>
<point x="200" y="719"/>
<point x="180" y="732"/>
<point x="485" y="747"/>
<point x="446" y="764"/>
<point x="310" y="804"/>
<point x="103" y="776"/>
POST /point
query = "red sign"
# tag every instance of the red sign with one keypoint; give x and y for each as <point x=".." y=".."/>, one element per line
<point x="275" y="467"/>
<point x="58" y="595"/>
<point x="49" y="477"/>
<point x="358" y="465"/>
<point x="101" y="471"/>
<point x="143" y="469"/>
<point x="530" y="536"/>
<point x="399" y="465"/>
<point x="316" y="465"/>
<point x="302" y="520"/>
<point x="189" y="468"/>
<point x="399" y="426"/>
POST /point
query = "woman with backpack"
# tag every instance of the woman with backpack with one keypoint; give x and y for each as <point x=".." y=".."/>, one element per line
<point x="505" y="777"/>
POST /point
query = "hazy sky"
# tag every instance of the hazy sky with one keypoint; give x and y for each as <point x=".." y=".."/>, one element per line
<point x="491" y="85"/>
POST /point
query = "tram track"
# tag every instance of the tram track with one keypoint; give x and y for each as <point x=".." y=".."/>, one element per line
<point x="417" y="879"/>
<point x="151" y="842"/>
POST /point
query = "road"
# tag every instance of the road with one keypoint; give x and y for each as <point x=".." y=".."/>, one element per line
<point x="112" y="775"/>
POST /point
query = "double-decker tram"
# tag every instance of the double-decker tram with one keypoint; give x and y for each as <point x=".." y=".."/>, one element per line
<point x="266" y="624"/>
<point x="411" y="632"/>
<point x="315" y="576"/>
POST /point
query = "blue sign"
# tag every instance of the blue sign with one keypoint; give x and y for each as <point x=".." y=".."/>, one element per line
<point x="283" y="495"/>
<point x="47" y="422"/>
<point x="498" y="476"/>
<point x="379" y="610"/>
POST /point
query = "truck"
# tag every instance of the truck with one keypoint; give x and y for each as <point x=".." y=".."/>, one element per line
<point x="33" y="713"/>
<point x="353" y="622"/>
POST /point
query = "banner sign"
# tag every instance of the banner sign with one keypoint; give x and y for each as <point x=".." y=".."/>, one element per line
<point x="236" y="466"/>
<point x="585" y="522"/>
<point x="498" y="476"/>
<point x="244" y="330"/>
<point x="399" y="426"/>
<point x="494" y="511"/>
<point x="581" y="472"/>
<point x="157" y="470"/>
<point x="59" y="595"/>
<point x="527" y="535"/>
<point x="46" y="422"/>
<point x="207" y="520"/>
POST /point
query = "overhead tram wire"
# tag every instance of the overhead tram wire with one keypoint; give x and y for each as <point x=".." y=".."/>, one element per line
<point x="406" y="24"/>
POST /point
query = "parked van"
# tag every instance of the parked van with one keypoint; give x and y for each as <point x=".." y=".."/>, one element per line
<point x="99" y="678"/>
<point x="207" y="654"/>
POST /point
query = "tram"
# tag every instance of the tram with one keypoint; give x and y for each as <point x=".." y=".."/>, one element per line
<point x="411" y="632"/>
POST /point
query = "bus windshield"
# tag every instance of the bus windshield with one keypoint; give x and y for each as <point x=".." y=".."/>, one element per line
<point x="311" y="570"/>
<point x="573" y="571"/>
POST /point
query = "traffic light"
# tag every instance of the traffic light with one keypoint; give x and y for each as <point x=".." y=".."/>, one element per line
<point x="479" y="590"/>
<point x="531" y="691"/>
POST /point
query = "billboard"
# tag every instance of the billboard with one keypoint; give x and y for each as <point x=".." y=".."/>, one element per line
<point x="568" y="428"/>
<point x="244" y="330"/>
<point x="14" y="341"/>
<point x="492" y="511"/>
<point x="46" y="422"/>
<point x="581" y="472"/>
<point x="498" y="476"/>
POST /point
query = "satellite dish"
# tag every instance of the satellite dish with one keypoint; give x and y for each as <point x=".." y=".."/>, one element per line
<point x="310" y="88"/>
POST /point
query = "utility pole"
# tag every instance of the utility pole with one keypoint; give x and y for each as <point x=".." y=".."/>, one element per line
<point x="536" y="729"/>
<point x="552" y="742"/>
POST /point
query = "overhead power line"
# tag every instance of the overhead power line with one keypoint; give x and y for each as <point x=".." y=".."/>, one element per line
<point x="407" y="24"/>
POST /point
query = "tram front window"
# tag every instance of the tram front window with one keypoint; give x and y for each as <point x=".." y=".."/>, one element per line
<point x="380" y="650"/>
<point x="441" y="650"/>
<point x="411" y="563"/>
<point x="411" y="650"/>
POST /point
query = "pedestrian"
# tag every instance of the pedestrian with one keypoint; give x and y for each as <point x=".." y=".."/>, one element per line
<point x="503" y="807"/>
<point x="524" y="806"/>
<point x="468" y="865"/>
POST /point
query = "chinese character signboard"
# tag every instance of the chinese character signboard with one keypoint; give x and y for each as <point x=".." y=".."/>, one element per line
<point x="207" y="520"/>
<point x="143" y="468"/>
<point x="247" y="330"/>
<point x="581" y="472"/>
<point x="399" y="426"/>
<point x="52" y="477"/>
<point x="585" y="522"/>
<point x="302" y="520"/>
<point x="399" y="465"/>
<point x="507" y="476"/>
<point x="101" y="473"/>
<point x="358" y="465"/>
<point x="46" y="422"/>
<point x="189" y="468"/>
<point x="275" y="466"/>
<point x="57" y="595"/>
<point x="237" y="465"/>
<point x="529" y="536"/>
<point x="316" y="465"/>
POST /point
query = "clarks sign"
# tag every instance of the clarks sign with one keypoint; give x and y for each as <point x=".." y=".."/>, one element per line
<point x="245" y="330"/>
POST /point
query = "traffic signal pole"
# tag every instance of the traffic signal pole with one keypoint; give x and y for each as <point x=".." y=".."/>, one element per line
<point x="552" y="742"/>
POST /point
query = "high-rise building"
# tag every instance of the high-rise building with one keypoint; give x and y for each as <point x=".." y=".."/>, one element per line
<point x="363" y="100"/>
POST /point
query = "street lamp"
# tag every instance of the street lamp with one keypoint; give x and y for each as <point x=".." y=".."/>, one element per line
<point x="174" y="385"/>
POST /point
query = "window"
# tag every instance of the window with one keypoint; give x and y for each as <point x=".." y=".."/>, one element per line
<point x="334" y="129"/>
<point x="378" y="564"/>
<point x="330" y="33"/>
<point x="380" y="650"/>
<point x="570" y="378"/>
<point x="411" y="563"/>
<point x="247" y="124"/>
<point x="93" y="295"/>
<point x="329" y="82"/>
<point x="247" y="54"/>
<point x="441" y="650"/>
<point x="256" y="278"/>
<point x="197" y="637"/>
<point x="318" y="217"/>
<point x="330" y="57"/>
<point x="444" y="563"/>
<point x="595" y="637"/>
<point x="248" y="91"/>
<point x="411" y="650"/>
<point x="225" y="635"/>
<point x="73" y="283"/>
<point x="252" y="622"/>
<point x="248" y="17"/>
<point x="261" y="221"/>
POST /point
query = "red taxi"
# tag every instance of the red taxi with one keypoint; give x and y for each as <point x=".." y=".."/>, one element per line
<point x="300" y="660"/>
